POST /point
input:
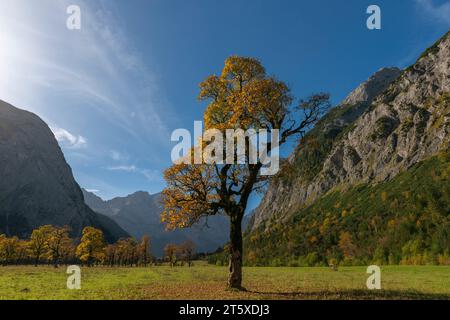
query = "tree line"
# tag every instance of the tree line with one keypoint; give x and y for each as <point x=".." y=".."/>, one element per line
<point x="53" y="245"/>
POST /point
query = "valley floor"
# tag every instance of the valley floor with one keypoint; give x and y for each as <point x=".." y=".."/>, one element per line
<point x="208" y="282"/>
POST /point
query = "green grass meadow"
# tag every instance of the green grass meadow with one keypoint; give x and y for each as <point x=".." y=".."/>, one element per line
<point x="204" y="281"/>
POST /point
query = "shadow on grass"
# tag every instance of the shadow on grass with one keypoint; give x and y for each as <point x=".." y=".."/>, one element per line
<point x="355" y="295"/>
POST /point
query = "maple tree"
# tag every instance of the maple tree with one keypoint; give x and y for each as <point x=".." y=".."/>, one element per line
<point x="187" y="249"/>
<point x="39" y="242"/>
<point x="144" y="250"/>
<point x="91" y="246"/>
<point x="171" y="253"/>
<point x="243" y="97"/>
<point x="58" y="242"/>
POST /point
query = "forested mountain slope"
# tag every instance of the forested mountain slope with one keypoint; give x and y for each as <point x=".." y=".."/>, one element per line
<point x="372" y="187"/>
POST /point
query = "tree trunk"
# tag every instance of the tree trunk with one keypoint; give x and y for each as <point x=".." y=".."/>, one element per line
<point x="235" y="263"/>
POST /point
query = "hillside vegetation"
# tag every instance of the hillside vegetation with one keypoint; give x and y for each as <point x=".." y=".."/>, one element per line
<point x="401" y="221"/>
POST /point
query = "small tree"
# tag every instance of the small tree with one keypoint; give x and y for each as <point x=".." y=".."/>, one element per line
<point x="22" y="251"/>
<point x="58" y="238"/>
<point x="67" y="251"/>
<point x="2" y="248"/>
<point x="131" y="251"/>
<point x="90" y="249"/>
<point x="144" y="250"/>
<point x="170" y="253"/>
<point x="121" y="248"/>
<point x="188" y="251"/>
<point x="346" y="245"/>
<point x="243" y="98"/>
<point x="126" y="251"/>
<point x="39" y="242"/>
<point x="110" y="254"/>
<point x="9" y="248"/>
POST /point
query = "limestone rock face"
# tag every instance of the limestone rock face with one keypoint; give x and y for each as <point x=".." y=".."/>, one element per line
<point x="373" y="86"/>
<point x="392" y="121"/>
<point x="36" y="184"/>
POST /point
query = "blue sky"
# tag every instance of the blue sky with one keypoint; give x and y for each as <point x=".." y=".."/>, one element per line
<point x="114" y="91"/>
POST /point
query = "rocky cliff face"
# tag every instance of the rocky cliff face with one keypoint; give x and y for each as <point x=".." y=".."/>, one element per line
<point x="36" y="184"/>
<point x="385" y="126"/>
<point x="139" y="214"/>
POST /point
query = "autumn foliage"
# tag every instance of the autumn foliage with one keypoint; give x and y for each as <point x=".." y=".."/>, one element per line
<point x="53" y="245"/>
<point x="244" y="98"/>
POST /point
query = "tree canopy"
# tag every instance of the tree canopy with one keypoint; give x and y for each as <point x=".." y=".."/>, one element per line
<point x="242" y="98"/>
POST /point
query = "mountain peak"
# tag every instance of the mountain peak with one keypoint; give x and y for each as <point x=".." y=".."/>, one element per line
<point x="373" y="86"/>
<point x="139" y="194"/>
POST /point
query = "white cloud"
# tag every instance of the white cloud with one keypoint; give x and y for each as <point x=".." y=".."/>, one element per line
<point x="130" y="168"/>
<point x="95" y="67"/>
<point x="67" y="139"/>
<point x="118" y="156"/>
<point x="151" y="175"/>
<point x="439" y="12"/>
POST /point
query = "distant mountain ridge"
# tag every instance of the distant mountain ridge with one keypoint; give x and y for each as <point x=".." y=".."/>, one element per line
<point x="139" y="214"/>
<point x="36" y="185"/>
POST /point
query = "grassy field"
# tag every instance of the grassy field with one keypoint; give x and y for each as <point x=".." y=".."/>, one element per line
<point x="208" y="282"/>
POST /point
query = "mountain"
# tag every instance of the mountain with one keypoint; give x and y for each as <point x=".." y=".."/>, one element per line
<point x="372" y="178"/>
<point x="297" y="184"/>
<point x="37" y="186"/>
<point x="139" y="214"/>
